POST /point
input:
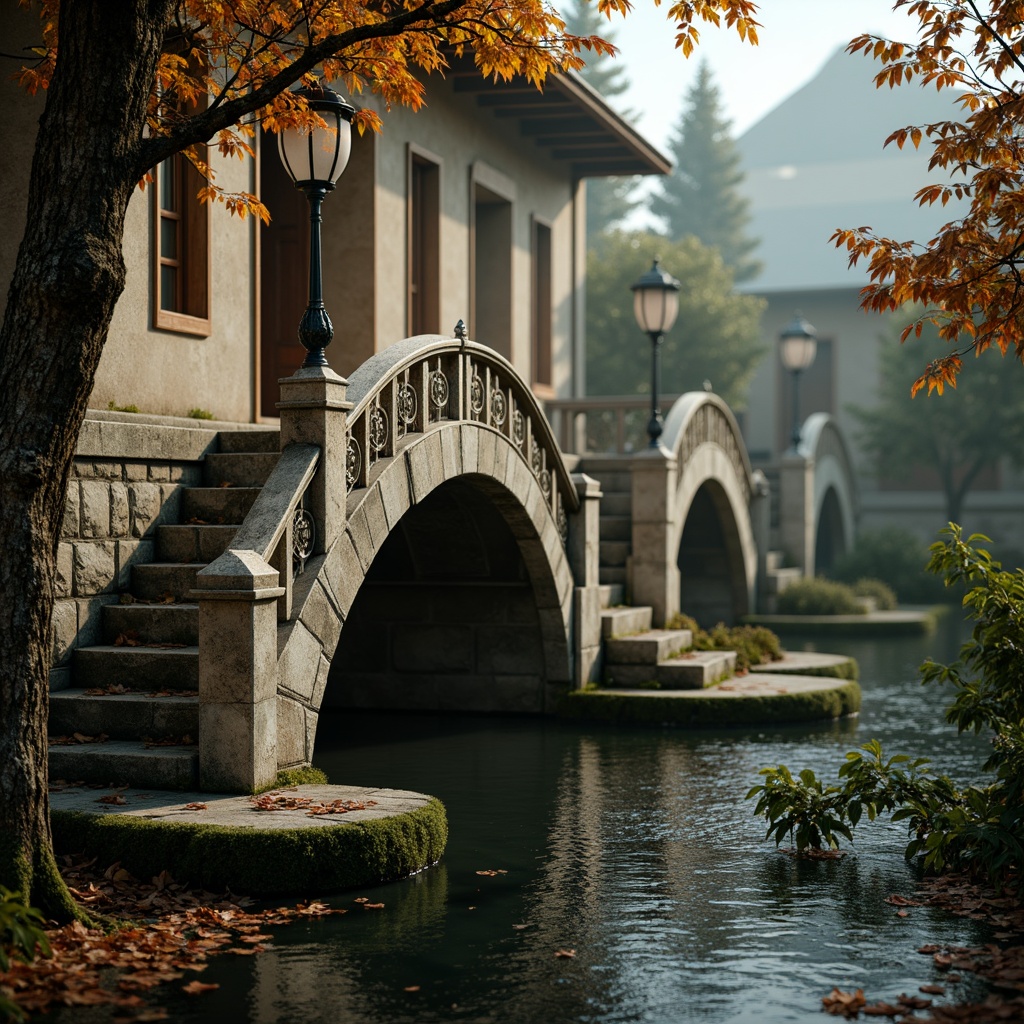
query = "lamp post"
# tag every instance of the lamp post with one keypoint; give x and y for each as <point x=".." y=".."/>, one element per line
<point x="798" y="341"/>
<point x="655" y="305"/>
<point x="314" y="159"/>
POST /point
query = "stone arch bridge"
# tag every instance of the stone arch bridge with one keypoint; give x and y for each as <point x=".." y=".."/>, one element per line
<point x="420" y="541"/>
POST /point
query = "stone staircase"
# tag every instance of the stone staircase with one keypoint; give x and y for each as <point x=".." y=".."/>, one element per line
<point x="616" y="481"/>
<point x="636" y="656"/>
<point x="139" y="687"/>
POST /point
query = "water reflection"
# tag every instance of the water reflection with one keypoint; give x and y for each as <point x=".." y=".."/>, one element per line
<point x="634" y="848"/>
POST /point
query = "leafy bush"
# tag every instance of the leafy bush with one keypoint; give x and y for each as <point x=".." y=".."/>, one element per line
<point x="881" y="593"/>
<point x="21" y="934"/>
<point x="200" y="414"/>
<point x="895" y="557"/>
<point x="754" y="645"/>
<point x="819" y="596"/>
<point x="113" y="407"/>
<point x="976" y="829"/>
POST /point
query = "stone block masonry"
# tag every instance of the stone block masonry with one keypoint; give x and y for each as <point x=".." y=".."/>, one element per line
<point x="124" y="483"/>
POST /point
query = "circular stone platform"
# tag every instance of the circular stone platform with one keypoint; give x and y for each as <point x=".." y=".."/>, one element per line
<point x="307" y="844"/>
<point x="758" y="698"/>
<point x="901" y="622"/>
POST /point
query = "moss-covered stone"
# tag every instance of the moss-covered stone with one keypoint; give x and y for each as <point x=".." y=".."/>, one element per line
<point x="898" y="623"/>
<point x="703" y="711"/>
<point x="304" y="861"/>
<point x="304" y="776"/>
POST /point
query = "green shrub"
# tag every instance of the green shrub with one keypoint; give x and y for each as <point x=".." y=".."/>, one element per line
<point x="819" y="596"/>
<point x="121" y="408"/>
<point x="881" y="593"/>
<point x="21" y="934"/>
<point x="754" y="645"/>
<point x="895" y="557"/>
<point x="200" y="414"/>
<point x="975" y="829"/>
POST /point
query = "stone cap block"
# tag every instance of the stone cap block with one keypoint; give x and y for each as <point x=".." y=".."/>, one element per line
<point x="236" y="570"/>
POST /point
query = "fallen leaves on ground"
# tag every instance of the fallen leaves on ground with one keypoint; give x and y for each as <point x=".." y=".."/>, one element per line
<point x="110" y="690"/>
<point x="195" y="806"/>
<point x="183" y="927"/>
<point x="277" y="801"/>
<point x="168" y="741"/>
<point x="77" y="737"/>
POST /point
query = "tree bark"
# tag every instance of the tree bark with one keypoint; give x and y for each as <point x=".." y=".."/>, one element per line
<point x="68" y="276"/>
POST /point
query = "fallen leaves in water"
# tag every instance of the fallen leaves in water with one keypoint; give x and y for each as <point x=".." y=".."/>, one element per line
<point x="844" y="1004"/>
<point x="491" y="872"/>
<point x="411" y="988"/>
<point x="118" y="969"/>
<point x="565" y="954"/>
<point x="314" y="808"/>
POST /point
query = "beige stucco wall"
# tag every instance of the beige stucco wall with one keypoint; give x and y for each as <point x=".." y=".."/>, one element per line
<point x="169" y="373"/>
<point x="158" y="371"/>
<point x="461" y="135"/>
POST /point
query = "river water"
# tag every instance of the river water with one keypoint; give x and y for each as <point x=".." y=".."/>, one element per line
<point x="634" y="848"/>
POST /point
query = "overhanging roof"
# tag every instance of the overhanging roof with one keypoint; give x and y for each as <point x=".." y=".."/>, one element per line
<point x="568" y="119"/>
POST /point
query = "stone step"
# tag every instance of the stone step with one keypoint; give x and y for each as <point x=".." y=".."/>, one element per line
<point x="646" y="648"/>
<point x="616" y="528"/>
<point x="145" y="669"/>
<point x="777" y="580"/>
<point x="152" y="582"/>
<point x="126" y="716"/>
<point x="693" y="671"/>
<point x="625" y="621"/>
<point x="193" y="543"/>
<point x="616" y="503"/>
<point x="612" y="594"/>
<point x="613" y="576"/>
<point x="614" y="552"/>
<point x="216" y="504"/>
<point x="152" y="623"/>
<point x="126" y="763"/>
<point x="774" y="560"/>
<point x="239" y="469"/>
<point x="268" y="440"/>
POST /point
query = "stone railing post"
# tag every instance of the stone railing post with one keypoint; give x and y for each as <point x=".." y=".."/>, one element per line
<point x="314" y="408"/>
<point x="653" y="570"/>
<point x="761" y="524"/>
<point x="237" y="596"/>
<point x="796" y="509"/>
<point x="584" y="551"/>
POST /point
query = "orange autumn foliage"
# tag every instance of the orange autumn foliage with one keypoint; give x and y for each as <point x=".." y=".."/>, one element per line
<point x="229" y="64"/>
<point x="968" y="277"/>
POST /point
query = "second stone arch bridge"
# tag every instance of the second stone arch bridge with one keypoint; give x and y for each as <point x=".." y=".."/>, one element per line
<point x="423" y="543"/>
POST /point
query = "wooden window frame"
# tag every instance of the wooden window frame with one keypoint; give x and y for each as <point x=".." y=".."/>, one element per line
<point x="191" y="305"/>
<point x="541" y="309"/>
<point x="423" y="241"/>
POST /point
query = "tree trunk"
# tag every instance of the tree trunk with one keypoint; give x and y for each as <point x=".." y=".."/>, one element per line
<point x="68" y="276"/>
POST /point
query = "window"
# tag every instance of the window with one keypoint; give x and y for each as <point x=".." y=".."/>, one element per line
<point x="424" y="206"/>
<point x="541" y="305"/>
<point x="181" y="269"/>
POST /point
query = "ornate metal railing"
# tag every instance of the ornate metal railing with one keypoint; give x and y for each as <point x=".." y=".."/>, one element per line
<point x="277" y="527"/>
<point x="417" y="384"/>
<point x="614" y="425"/>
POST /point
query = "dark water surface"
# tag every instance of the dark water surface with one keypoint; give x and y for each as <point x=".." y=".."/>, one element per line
<point x="636" y="849"/>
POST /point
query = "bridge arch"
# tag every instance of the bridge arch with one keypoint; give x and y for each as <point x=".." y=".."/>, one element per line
<point x="454" y="481"/>
<point x="710" y="536"/>
<point x="834" y="499"/>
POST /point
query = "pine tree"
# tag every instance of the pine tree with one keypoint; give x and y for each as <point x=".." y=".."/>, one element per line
<point x="609" y="200"/>
<point x="700" y="197"/>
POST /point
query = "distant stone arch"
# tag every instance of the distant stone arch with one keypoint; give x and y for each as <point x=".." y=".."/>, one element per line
<point x="691" y="515"/>
<point x="834" y="500"/>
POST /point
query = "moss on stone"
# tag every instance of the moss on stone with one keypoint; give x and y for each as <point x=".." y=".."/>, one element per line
<point x="848" y="669"/>
<point x="876" y="624"/>
<point x="306" y="775"/>
<point x="307" y="861"/>
<point x="710" y="712"/>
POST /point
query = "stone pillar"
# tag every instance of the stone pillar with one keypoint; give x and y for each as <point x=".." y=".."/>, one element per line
<point x="654" y="569"/>
<point x="796" y="510"/>
<point x="237" y="596"/>
<point x="314" y="410"/>
<point x="584" y="551"/>
<point x="761" y="524"/>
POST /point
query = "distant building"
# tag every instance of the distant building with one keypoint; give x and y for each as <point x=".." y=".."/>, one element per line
<point x="813" y="164"/>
